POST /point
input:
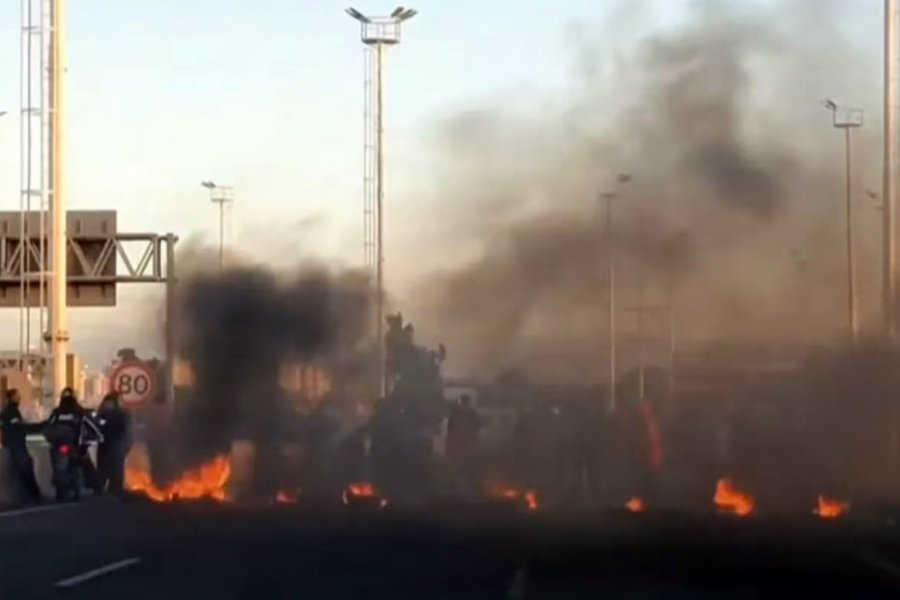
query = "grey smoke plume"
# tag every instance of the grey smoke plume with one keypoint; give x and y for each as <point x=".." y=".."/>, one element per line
<point x="733" y="211"/>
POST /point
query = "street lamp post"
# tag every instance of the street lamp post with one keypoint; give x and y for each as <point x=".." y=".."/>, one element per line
<point x="220" y="195"/>
<point x="889" y="262"/>
<point x="377" y="33"/>
<point x="58" y="195"/>
<point x="607" y="198"/>
<point x="848" y="119"/>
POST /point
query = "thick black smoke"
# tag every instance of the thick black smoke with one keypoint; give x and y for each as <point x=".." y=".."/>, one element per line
<point x="733" y="211"/>
<point x="237" y="330"/>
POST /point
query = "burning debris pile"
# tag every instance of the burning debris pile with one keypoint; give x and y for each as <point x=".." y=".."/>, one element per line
<point x="636" y="505"/>
<point x="515" y="496"/>
<point x="207" y="481"/>
<point x="363" y="494"/>
<point x="733" y="501"/>
<point x="831" y="509"/>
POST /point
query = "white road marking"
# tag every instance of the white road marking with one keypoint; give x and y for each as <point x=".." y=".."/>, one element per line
<point x="35" y="509"/>
<point x="79" y="579"/>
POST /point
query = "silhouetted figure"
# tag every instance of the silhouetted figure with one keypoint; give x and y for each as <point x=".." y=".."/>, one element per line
<point x="400" y="453"/>
<point x="115" y="426"/>
<point x="13" y="432"/>
<point x="586" y="434"/>
<point x="463" y="427"/>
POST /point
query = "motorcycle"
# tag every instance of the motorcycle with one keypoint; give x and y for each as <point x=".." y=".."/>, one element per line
<point x="66" y="472"/>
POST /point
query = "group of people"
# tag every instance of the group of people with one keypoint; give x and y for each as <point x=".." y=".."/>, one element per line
<point x="70" y="430"/>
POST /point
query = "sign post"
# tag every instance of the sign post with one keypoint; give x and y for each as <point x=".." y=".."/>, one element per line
<point x="135" y="383"/>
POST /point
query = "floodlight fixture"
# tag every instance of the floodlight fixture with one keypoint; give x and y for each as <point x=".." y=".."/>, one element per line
<point x="357" y="15"/>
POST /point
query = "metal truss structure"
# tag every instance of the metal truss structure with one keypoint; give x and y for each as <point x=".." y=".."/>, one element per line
<point x="34" y="157"/>
<point x="142" y="255"/>
<point x="98" y="264"/>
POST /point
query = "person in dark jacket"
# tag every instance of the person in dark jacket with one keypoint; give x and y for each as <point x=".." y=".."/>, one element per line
<point x="13" y="432"/>
<point x="115" y="426"/>
<point x="70" y="425"/>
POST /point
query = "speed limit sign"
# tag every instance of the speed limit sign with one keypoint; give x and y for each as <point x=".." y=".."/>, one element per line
<point x="134" y="382"/>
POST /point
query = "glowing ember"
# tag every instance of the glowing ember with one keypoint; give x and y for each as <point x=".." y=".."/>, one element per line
<point x="510" y="494"/>
<point x="636" y="505"/>
<point x="733" y="501"/>
<point x="207" y="481"/>
<point x="363" y="492"/>
<point x="283" y="497"/>
<point x="831" y="509"/>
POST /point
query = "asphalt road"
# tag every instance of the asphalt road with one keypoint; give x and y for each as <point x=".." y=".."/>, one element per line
<point x="136" y="550"/>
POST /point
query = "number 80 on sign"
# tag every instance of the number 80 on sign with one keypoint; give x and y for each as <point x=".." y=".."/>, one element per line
<point x="134" y="382"/>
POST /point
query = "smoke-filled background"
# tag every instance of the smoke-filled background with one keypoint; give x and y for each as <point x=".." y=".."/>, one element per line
<point x="734" y="214"/>
<point x="732" y="221"/>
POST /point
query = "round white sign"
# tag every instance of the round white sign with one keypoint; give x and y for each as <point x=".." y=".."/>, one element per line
<point x="134" y="381"/>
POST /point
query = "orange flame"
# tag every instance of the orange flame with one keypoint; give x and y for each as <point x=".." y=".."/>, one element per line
<point x="731" y="500"/>
<point x="510" y="494"/>
<point x="831" y="509"/>
<point x="636" y="505"/>
<point x="207" y="481"/>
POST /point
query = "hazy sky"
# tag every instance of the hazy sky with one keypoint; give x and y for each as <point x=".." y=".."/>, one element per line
<point x="266" y="95"/>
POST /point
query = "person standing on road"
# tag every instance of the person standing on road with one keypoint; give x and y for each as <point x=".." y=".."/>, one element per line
<point x="13" y="432"/>
<point x="71" y="426"/>
<point x="463" y="428"/>
<point x="115" y="426"/>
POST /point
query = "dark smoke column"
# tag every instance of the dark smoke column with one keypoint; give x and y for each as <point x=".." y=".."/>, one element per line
<point x="238" y="329"/>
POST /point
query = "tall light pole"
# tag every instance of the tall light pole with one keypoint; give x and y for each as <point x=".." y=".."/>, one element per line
<point x="608" y="198"/>
<point x="220" y="195"/>
<point x="889" y="265"/>
<point x="848" y="119"/>
<point x="59" y="329"/>
<point x="377" y="33"/>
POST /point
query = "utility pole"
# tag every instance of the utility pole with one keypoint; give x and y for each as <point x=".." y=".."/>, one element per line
<point x="376" y="34"/>
<point x="640" y="310"/>
<point x="171" y="312"/>
<point x="673" y="341"/>
<point x="889" y="276"/>
<point x="847" y="119"/>
<point x="607" y="198"/>
<point x="220" y="195"/>
<point x="59" y="329"/>
<point x="851" y="269"/>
